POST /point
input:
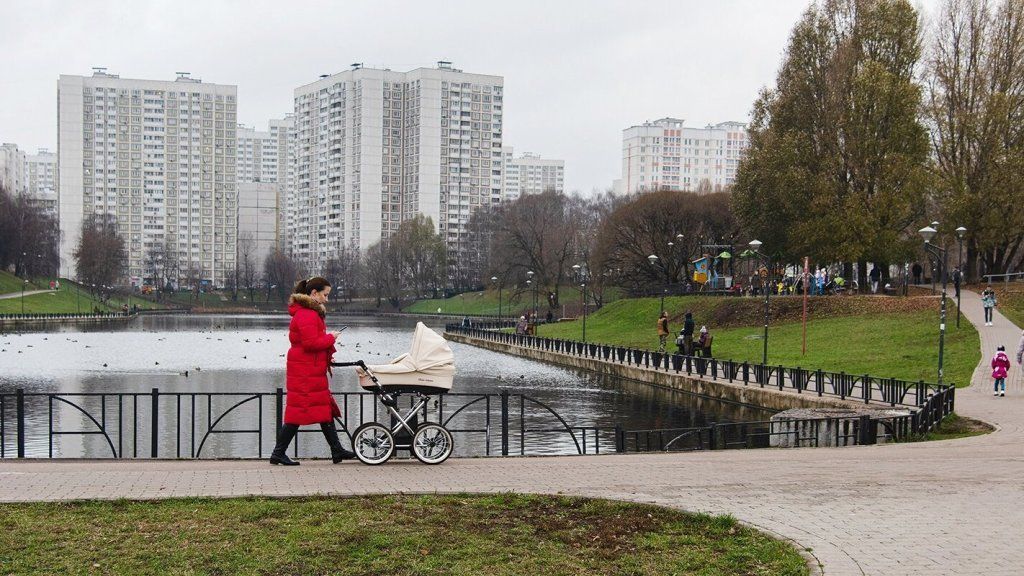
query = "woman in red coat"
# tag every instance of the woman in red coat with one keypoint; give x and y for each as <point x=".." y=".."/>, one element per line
<point x="309" y="399"/>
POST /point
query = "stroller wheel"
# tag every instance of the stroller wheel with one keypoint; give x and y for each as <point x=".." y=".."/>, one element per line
<point x="373" y="443"/>
<point x="432" y="443"/>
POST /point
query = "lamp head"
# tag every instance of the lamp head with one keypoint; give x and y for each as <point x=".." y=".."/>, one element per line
<point x="927" y="233"/>
<point x="755" y="245"/>
<point x="671" y="244"/>
<point x="960" y="231"/>
<point x="529" y="274"/>
<point x="494" y="278"/>
<point x="652" y="259"/>
<point x="576" y="268"/>
<point x="679" y="237"/>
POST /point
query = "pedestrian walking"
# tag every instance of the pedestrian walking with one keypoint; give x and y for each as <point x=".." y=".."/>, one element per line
<point x="309" y="399"/>
<point x="876" y="277"/>
<point x="957" y="278"/>
<point x="1000" y="367"/>
<point x="917" y="270"/>
<point x="663" y="331"/>
<point x="1020" y="349"/>
<point x="988" y="301"/>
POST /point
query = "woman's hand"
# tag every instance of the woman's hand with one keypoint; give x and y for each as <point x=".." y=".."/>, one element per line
<point x="337" y="335"/>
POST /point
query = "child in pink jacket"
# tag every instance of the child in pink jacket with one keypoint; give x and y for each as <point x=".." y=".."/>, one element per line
<point x="1000" y="366"/>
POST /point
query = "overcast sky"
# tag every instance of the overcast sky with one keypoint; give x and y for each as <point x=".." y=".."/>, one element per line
<point x="576" y="72"/>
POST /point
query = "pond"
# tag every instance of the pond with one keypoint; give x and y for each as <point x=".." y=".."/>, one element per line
<point x="105" y="376"/>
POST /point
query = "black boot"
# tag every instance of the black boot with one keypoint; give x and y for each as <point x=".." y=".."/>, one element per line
<point x="284" y="438"/>
<point x="337" y="452"/>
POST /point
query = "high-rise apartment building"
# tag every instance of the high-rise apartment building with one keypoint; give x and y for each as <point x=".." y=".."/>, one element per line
<point x="664" y="154"/>
<point x="159" y="157"/>
<point x="265" y="173"/>
<point x="12" y="168"/>
<point x="529" y="174"/>
<point x="376" y="147"/>
<point x="41" y="179"/>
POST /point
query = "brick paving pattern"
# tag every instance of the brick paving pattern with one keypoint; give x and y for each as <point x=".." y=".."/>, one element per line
<point x="936" y="508"/>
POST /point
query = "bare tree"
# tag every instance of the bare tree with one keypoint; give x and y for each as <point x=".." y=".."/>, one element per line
<point x="280" y="274"/>
<point x="384" y="270"/>
<point x="29" y="236"/>
<point x="100" y="256"/>
<point x="248" y="268"/>
<point x="538" y="233"/>
<point x="647" y="223"/>
<point x="344" y="272"/>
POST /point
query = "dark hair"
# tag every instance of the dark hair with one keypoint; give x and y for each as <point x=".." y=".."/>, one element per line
<point x="308" y="285"/>
<point x="1001" y="348"/>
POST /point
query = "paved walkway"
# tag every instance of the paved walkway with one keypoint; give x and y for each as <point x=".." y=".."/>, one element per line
<point x="19" y="294"/>
<point x="937" y="508"/>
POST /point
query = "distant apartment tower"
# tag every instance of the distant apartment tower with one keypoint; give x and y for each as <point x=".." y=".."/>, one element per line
<point x="160" y="157"/>
<point x="376" y="147"/>
<point x="12" y="168"/>
<point x="664" y="154"/>
<point x="264" y="174"/>
<point x="41" y="180"/>
<point x="529" y="174"/>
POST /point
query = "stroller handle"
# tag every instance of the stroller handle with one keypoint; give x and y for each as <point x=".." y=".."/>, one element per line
<point x="385" y="398"/>
<point x="359" y="363"/>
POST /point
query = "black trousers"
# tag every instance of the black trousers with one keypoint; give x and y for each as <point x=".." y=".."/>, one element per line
<point x="288" y="432"/>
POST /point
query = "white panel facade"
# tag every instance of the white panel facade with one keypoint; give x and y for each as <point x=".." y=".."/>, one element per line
<point x="665" y="154"/>
<point x="530" y="174"/>
<point x="41" y="180"/>
<point x="160" y="157"/>
<point x="376" y="147"/>
<point x="12" y="169"/>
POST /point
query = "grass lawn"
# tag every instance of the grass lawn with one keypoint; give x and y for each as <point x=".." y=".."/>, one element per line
<point x="9" y="283"/>
<point x="880" y="336"/>
<point x="954" y="426"/>
<point x="71" y="298"/>
<point x="1010" y="302"/>
<point x="472" y="304"/>
<point x="485" y="303"/>
<point x="456" y="535"/>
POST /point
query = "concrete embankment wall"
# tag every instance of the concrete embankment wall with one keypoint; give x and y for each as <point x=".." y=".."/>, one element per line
<point x="722" y="389"/>
<point x="16" y="323"/>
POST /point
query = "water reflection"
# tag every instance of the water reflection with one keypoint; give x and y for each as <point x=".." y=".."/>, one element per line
<point x="106" y="376"/>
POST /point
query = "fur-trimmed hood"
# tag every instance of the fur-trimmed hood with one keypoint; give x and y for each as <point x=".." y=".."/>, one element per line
<point x="302" y="301"/>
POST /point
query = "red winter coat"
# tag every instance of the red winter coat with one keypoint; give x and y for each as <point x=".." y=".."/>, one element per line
<point x="309" y="398"/>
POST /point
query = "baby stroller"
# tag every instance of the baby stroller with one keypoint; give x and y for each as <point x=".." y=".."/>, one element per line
<point x="426" y="370"/>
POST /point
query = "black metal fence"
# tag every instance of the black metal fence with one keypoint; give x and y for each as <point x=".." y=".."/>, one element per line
<point x="64" y="315"/>
<point x="159" y="424"/>
<point x="929" y="403"/>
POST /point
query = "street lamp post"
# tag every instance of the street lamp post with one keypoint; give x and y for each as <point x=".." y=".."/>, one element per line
<point x="582" y="276"/>
<point x="494" y="279"/>
<point x="654" y="262"/>
<point x="960" y="231"/>
<point x="941" y="256"/>
<point x="755" y="246"/>
<point x="23" y="284"/>
<point x="530" y="282"/>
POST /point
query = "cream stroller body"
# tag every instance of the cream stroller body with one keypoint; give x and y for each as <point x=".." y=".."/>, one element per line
<point x="425" y="371"/>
